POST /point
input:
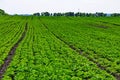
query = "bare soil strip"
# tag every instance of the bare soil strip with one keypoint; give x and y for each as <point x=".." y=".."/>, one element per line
<point x="110" y="23"/>
<point x="98" y="25"/>
<point x="81" y="51"/>
<point x="11" y="53"/>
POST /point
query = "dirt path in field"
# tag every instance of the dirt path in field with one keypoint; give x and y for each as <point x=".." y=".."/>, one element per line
<point x="81" y="51"/>
<point x="110" y="23"/>
<point x="11" y="53"/>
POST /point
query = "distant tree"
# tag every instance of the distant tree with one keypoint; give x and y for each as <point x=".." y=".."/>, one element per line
<point x="77" y="14"/>
<point x="91" y="14"/>
<point x="83" y="14"/>
<point x="97" y="14"/>
<point x="36" y="14"/>
<point x="100" y="14"/>
<point x="2" y="12"/>
<point x="80" y="14"/>
<point x="115" y="14"/>
<point x="51" y="14"/>
<point x="58" y="14"/>
<point x="45" y="14"/>
<point x="69" y="14"/>
<point x="15" y="14"/>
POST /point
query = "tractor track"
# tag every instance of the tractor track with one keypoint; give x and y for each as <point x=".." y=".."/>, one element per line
<point x="11" y="53"/>
<point x="81" y="51"/>
<point x="110" y="23"/>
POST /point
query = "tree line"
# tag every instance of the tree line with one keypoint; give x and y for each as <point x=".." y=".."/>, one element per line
<point x="2" y="12"/>
<point x="97" y="14"/>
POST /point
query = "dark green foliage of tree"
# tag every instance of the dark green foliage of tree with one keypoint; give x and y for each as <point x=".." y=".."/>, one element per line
<point x="69" y="14"/>
<point x="84" y="14"/>
<point x="78" y="14"/>
<point x="2" y="12"/>
<point x="45" y="14"/>
<point x="36" y="14"/>
<point x="58" y="14"/>
<point x="101" y="14"/>
<point x="115" y="14"/>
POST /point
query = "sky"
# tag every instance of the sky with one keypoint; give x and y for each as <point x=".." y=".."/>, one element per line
<point x="33" y="6"/>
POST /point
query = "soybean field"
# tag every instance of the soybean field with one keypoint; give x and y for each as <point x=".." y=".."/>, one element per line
<point x="59" y="48"/>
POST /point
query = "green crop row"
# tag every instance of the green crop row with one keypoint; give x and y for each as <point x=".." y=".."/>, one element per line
<point x="42" y="56"/>
<point x="10" y="32"/>
<point x="97" y="43"/>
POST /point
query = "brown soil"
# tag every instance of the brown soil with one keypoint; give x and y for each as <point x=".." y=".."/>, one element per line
<point x="11" y="53"/>
<point x="117" y="77"/>
<point x="99" y="26"/>
<point x="110" y="23"/>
